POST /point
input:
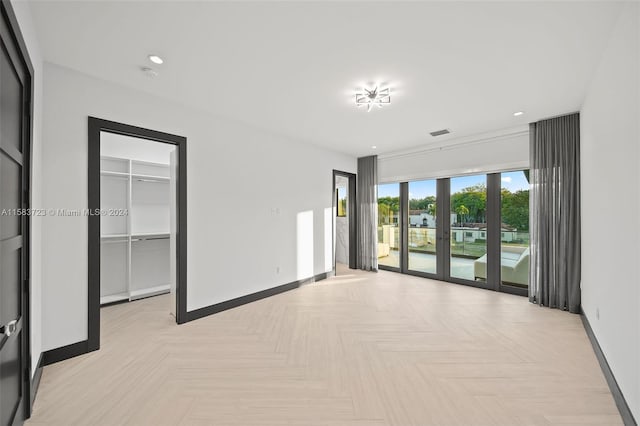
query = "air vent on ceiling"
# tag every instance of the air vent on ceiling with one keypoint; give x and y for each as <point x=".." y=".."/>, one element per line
<point x="440" y="132"/>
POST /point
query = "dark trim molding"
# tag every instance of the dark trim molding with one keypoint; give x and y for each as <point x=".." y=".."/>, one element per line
<point x="16" y="48"/>
<point x="353" y="218"/>
<point x="243" y="300"/>
<point x="618" y="397"/>
<point x="35" y="381"/>
<point x="65" y="352"/>
<point x="494" y="225"/>
<point x="403" y="223"/>
<point x="95" y="127"/>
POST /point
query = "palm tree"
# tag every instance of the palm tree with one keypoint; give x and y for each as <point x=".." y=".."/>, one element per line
<point x="431" y="210"/>
<point x="462" y="211"/>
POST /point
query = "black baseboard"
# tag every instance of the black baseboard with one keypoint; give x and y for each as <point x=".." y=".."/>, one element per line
<point x="243" y="300"/>
<point x="35" y="382"/>
<point x="65" y="352"/>
<point x="618" y="397"/>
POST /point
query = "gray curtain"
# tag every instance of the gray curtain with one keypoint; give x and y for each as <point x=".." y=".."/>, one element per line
<point x="555" y="212"/>
<point x="367" y="207"/>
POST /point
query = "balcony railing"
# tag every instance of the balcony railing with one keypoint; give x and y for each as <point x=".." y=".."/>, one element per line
<point x="464" y="243"/>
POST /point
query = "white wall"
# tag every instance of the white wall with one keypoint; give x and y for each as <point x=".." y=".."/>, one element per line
<point x="502" y="150"/>
<point x="23" y="15"/>
<point x="121" y="146"/>
<point x="251" y="198"/>
<point x="610" y="183"/>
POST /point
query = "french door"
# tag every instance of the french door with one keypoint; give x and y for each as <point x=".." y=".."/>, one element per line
<point x="14" y="227"/>
<point x="469" y="230"/>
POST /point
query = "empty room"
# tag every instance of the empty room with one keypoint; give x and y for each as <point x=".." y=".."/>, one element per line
<point x="319" y="213"/>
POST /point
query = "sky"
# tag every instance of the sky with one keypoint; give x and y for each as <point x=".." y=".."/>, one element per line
<point x="512" y="181"/>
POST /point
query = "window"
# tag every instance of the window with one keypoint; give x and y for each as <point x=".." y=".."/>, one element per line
<point x="468" y="209"/>
<point x="460" y="229"/>
<point x="341" y="196"/>
<point x="422" y="251"/>
<point x="388" y="230"/>
<point x="514" y="211"/>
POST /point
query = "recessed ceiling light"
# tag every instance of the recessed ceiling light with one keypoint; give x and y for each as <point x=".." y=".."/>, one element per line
<point x="373" y="147"/>
<point x="518" y="114"/>
<point x="156" y="59"/>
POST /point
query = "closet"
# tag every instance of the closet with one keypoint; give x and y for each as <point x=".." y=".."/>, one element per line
<point x="135" y="257"/>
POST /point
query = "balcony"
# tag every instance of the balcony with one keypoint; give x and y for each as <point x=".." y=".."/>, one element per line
<point x="468" y="252"/>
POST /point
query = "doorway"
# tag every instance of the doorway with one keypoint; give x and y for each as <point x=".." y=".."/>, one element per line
<point x="16" y="75"/>
<point x="137" y="221"/>
<point x="471" y="230"/>
<point x="344" y="221"/>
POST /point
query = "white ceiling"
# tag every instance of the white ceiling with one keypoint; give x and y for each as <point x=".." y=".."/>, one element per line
<point x="291" y="67"/>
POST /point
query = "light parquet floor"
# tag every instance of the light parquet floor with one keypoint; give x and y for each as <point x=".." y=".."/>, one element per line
<point x="360" y="349"/>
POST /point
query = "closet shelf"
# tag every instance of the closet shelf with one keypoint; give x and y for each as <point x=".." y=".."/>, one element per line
<point x="114" y="174"/>
<point x="150" y="178"/>
<point x="114" y="236"/>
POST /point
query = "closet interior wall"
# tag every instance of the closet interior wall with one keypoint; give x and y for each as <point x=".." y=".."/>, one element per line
<point x="135" y="255"/>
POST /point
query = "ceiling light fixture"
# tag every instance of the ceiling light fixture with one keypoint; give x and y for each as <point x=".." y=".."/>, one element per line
<point x="518" y="114"/>
<point x="375" y="95"/>
<point x="373" y="147"/>
<point x="156" y="59"/>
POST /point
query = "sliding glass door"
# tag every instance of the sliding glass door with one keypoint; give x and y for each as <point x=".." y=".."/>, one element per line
<point x="422" y="250"/>
<point x="471" y="230"/>
<point x="514" y="232"/>
<point x="468" y="227"/>
<point x="389" y="226"/>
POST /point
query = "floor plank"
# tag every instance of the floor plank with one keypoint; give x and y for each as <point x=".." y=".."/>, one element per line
<point x="354" y="350"/>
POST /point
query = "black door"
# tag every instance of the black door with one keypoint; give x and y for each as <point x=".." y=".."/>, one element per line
<point x="14" y="161"/>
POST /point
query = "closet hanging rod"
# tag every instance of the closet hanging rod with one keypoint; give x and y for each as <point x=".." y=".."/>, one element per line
<point x="159" y="180"/>
<point x="149" y="238"/>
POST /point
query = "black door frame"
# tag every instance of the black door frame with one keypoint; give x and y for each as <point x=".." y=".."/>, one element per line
<point x="353" y="218"/>
<point x="96" y="126"/>
<point x="492" y="279"/>
<point x="442" y="232"/>
<point x="14" y="43"/>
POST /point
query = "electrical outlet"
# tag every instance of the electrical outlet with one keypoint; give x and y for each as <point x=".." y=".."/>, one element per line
<point x="277" y="269"/>
<point x="597" y="313"/>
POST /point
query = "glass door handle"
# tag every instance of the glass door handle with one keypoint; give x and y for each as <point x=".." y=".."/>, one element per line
<point x="9" y="329"/>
